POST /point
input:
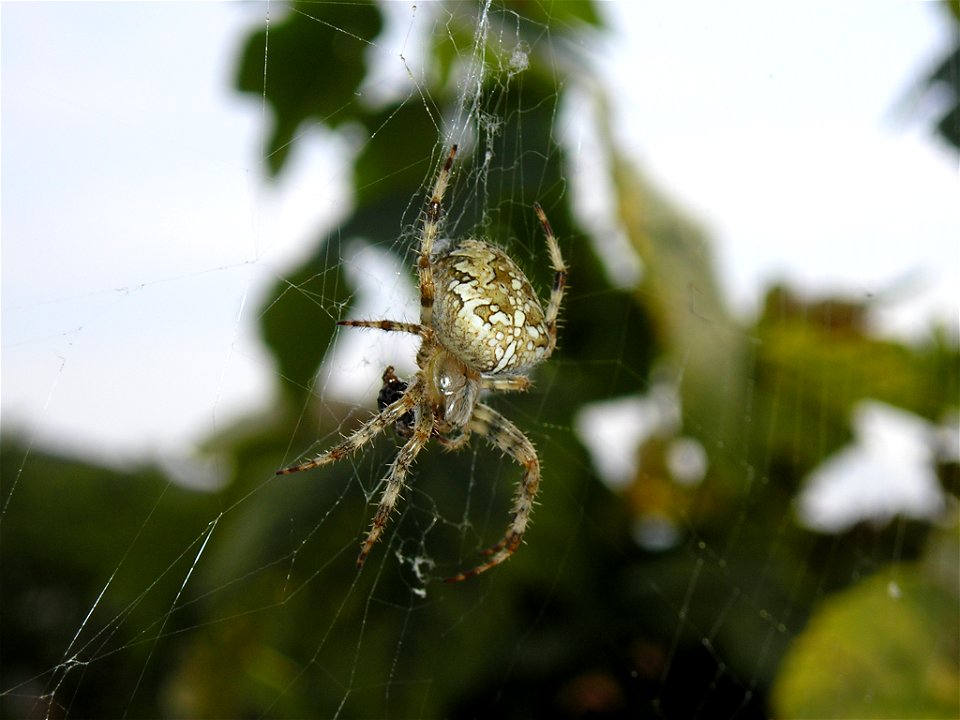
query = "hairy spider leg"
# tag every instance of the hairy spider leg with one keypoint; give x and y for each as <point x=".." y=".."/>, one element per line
<point x="427" y="335"/>
<point x="360" y="437"/>
<point x="503" y="434"/>
<point x="559" y="277"/>
<point x="395" y="481"/>
<point x="385" y="325"/>
<point x="505" y="383"/>
<point x="431" y="229"/>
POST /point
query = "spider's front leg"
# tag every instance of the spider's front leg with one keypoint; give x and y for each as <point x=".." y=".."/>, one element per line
<point x="428" y="236"/>
<point x="367" y="432"/>
<point x="505" y="435"/>
<point x="396" y="479"/>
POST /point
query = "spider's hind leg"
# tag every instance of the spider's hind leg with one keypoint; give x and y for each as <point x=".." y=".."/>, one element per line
<point x="559" y="277"/>
<point x="505" y="435"/>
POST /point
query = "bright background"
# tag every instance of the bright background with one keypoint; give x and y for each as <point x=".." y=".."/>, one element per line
<point x="138" y="233"/>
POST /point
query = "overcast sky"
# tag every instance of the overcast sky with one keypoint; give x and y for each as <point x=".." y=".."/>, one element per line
<point x="138" y="235"/>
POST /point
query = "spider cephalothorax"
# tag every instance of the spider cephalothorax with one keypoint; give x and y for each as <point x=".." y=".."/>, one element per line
<point x="481" y="327"/>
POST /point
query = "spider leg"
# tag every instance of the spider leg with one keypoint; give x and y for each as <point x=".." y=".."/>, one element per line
<point x="360" y="437"/>
<point x="505" y="383"/>
<point x="505" y="435"/>
<point x="386" y="325"/>
<point x="395" y="481"/>
<point x="431" y="229"/>
<point x="559" y="277"/>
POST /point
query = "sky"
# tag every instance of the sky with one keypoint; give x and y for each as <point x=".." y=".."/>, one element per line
<point x="789" y="130"/>
<point x="138" y="233"/>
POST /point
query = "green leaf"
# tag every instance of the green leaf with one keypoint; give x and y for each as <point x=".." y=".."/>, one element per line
<point x="396" y="159"/>
<point x="70" y="526"/>
<point x="559" y="13"/>
<point x="299" y="319"/>
<point x="313" y="69"/>
<point x="885" y="648"/>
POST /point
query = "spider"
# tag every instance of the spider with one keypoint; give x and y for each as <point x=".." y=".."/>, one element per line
<point x="481" y="327"/>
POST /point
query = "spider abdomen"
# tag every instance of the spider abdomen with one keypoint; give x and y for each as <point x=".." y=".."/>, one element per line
<point x="486" y="311"/>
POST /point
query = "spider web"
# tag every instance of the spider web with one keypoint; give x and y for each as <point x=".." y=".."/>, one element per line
<point x="699" y="547"/>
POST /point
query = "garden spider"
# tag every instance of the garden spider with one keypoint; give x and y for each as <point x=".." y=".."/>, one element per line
<point x="481" y="327"/>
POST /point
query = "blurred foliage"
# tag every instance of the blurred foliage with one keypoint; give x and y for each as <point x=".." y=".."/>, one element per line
<point x="887" y="647"/>
<point x="72" y="530"/>
<point x="944" y="79"/>
<point x="275" y="620"/>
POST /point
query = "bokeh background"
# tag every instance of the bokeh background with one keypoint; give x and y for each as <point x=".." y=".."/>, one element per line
<point x="749" y="433"/>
